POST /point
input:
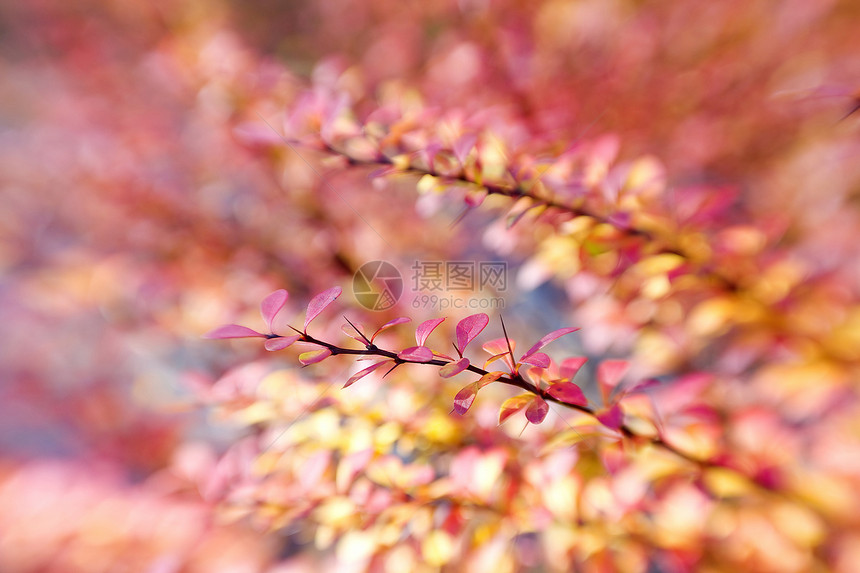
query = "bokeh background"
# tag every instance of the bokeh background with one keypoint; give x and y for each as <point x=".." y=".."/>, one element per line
<point x="143" y="203"/>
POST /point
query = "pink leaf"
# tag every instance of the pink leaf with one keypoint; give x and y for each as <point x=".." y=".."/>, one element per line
<point x="362" y="373"/>
<point x="537" y="410"/>
<point x="349" y="330"/>
<point x="320" y="302"/>
<point x="546" y="340"/>
<point x="389" y="324"/>
<point x="513" y="405"/>
<point x="609" y="373"/>
<point x="568" y="392"/>
<point x="498" y="346"/>
<point x="233" y="331"/>
<point x="571" y="366"/>
<point x="314" y="356"/>
<point x="454" y="368"/>
<point x="281" y="342"/>
<point x="474" y="198"/>
<point x="272" y="305"/>
<point x="499" y="350"/>
<point x="464" y="145"/>
<point x="538" y="359"/>
<point x="611" y="417"/>
<point x="465" y="397"/>
<point x="425" y="328"/>
<point x="416" y="354"/>
<point x="469" y="328"/>
<point x="644" y="385"/>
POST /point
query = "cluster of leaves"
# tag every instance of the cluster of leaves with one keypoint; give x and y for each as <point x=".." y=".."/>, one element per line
<point x="529" y="372"/>
<point x="714" y="229"/>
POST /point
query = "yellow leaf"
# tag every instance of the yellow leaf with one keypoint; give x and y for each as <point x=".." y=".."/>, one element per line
<point x="726" y="483"/>
<point x="437" y="548"/>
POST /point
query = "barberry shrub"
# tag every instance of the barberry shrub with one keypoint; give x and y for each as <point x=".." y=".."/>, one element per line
<point x="678" y="179"/>
<point x="687" y="463"/>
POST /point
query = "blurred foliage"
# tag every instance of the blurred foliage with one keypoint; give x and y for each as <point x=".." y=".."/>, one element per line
<point x="679" y="179"/>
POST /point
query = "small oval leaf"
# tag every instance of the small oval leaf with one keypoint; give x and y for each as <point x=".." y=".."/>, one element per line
<point x="425" y="328"/>
<point x="611" y="417"/>
<point x="644" y="385"/>
<point x="537" y="410"/>
<point x="538" y="359"/>
<point x="416" y="354"/>
<point x="281" y="342"/>
<point x="571" y="366"/>
<point x="569" y="393"/>
<point x="469" y="328"/>
<point x="513" y="405"/>
<point x="609" y="374"/>
<point x="489" y="377"/>
<point x="499" y="350"/>
<point x="320" y="302"/>
<point x="233" y="331"/>
<point x="498" y="346"/>
<point x="546" y="339"/>
<point x="464" y="398"/>
<point x="314" y="356"/>
<point x="272" y="305"/>
<point x="354" y="332"/>
<point x="454" y="368"/>
<point x="362" y="373"/>
<point x="389" y="324"/>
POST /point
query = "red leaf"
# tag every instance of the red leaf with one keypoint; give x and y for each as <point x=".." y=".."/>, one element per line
<point x="469" y="328"/>
<point x="272" y="305"/>
<point x="416" y="354"/>
<point x="537" y="410"/>
<point x="281" y="342"/>
<point x="362" y="373"/>
<point x="319" y="303"/>
<point x="465" y="397"/>
<point x="233" y="331"/>
<point x="389" y="324"/>
<point x="513" y="405"/>
<point x="454" y="368"/>
<point x="547" y="339"/>
<point x="314" y="356"/>
<point x="570" y="366"/>
<point x="609" y="373"/>
<point x="569" y="393"/>
<point x="611" y="417"/>
<point x="538" y="359"/>
<point x="425" y="328"/>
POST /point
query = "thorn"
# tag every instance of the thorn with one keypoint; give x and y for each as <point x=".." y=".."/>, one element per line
<point x="396" y="364"/>
<point x="507" y="340"/>
<point x="361" y="334"/>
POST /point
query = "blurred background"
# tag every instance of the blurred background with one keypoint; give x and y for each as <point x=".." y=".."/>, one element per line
<point x="134" y="216"/>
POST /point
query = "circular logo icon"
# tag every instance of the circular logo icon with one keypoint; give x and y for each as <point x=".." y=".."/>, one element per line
<point x="377" y="285"/>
